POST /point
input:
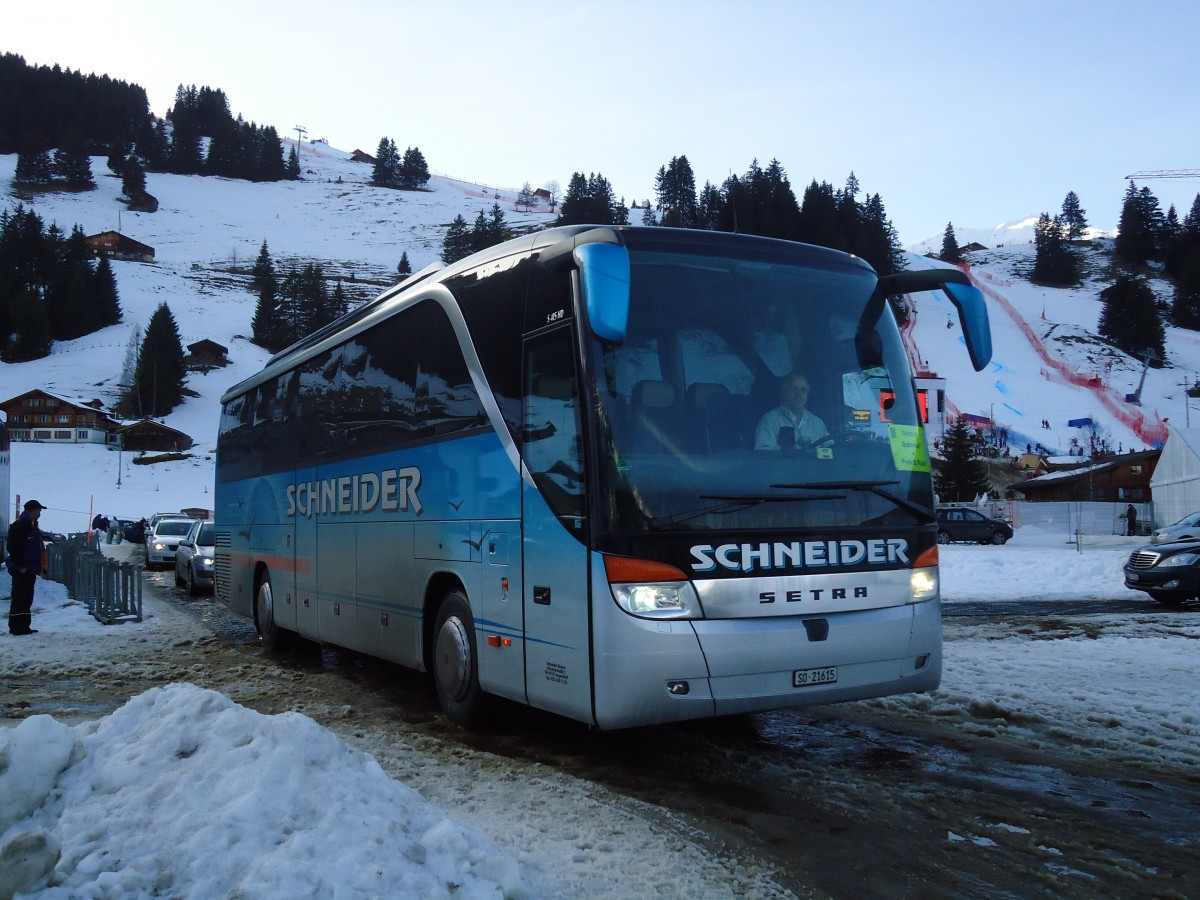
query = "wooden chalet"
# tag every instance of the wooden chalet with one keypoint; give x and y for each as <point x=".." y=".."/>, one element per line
<point x="39" y="415"/>
<point x="1116" y="478"/>
<point x="360" y="156"/>
<point x="150" y="435"/>
<point x="205" y="354"/>
<point x="115" y="245"/>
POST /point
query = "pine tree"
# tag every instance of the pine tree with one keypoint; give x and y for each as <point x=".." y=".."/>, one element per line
<point x="1140" y="227"/>
<point x="103" y="296"/>
<point x="1055" y="263"/>
<point x="74" y="167"/>
<point x="524" y="197"/>
<point x="158" y="381"/>
<point x="950" y="250"/>
<point x="404" y="269"/>
<point x="386" y="172"/>
<point x="457" y="242"/>
<point x="31" y="327"/>
<point x="34" y="167"/>
<point x="68" y="301"/>
<point x="962" y="477"/>
<point x="292" y="173"/>
<point x="1074" y="216"/>
<point x="133" y="178"/>
<point x="413" y="172"/>
<point x="1129" y="318"/>
<point x="266" y="327"/>
<point x="675" y="191"/>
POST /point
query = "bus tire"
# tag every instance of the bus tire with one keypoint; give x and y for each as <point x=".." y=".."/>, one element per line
<point x="273" y="637"/>
<point x="456" y="662"/>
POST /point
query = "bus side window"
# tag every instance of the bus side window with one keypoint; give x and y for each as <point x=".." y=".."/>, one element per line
<point x="550" y="433"/>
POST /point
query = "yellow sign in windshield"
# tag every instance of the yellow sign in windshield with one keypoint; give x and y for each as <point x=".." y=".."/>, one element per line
<point x="909" y="452"/>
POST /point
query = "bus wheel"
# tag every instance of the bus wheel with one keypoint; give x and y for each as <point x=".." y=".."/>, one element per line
<point x="455" y="663"/>
<point x="273" y="637"/>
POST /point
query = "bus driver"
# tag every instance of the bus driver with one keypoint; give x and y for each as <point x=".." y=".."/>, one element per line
<point x="804" y="427"/>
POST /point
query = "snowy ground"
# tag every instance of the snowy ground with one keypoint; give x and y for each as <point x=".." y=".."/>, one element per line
<point x="183" y="791"/>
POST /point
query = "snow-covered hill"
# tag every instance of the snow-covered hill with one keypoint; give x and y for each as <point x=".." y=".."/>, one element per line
<point x="1048" y="364"/>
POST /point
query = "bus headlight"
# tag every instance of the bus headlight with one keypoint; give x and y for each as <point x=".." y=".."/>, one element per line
<point x="661" y="600"/>
<point x="924" y="584"/>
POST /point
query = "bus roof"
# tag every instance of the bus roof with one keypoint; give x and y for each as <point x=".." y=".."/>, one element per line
<point x="556" y="245"/>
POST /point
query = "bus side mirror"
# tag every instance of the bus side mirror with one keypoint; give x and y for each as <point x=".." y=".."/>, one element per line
<point x="604" y="273"/>
<point x="972" y="313"/>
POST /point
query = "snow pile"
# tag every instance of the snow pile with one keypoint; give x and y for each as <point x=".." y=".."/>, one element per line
<point x="183" y="792"/>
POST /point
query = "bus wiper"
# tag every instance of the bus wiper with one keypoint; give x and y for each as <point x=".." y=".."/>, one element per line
<point x="733" y="503"/>
<point x="872" y="487"/>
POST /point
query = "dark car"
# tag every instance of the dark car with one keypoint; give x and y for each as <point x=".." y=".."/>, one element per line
<point x="957" y="523"/>
<point x="1169" y="573"/>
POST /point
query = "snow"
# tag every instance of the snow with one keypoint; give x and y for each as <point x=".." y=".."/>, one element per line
<point x="204" y="797"/>
<point x="194" y="791"/>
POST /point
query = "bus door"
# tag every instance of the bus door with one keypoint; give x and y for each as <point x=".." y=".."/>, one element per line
<point x="555" y="584"/>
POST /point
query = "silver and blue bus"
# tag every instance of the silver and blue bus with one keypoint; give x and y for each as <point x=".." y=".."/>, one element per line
<point x="534" y="474"/>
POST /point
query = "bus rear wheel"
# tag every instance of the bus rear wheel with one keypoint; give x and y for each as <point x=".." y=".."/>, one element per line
<point x="273" y="637"/>
<point x="456" y="662"/>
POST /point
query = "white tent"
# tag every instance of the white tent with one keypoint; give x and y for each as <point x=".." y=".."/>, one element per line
<point x="1175" y="484"/>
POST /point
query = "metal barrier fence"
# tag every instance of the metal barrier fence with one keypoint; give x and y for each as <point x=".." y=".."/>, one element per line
<point x="112" y="590"/>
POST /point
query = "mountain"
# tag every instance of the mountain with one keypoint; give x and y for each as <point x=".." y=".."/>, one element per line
<point x="208" y="231"/>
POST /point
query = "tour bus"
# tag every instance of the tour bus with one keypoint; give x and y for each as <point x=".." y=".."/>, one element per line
<point x="534" y="474"/>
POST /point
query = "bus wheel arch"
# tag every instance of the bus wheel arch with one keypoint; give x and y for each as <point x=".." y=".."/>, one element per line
<point x="273" y="637"/>
<point x="452" y="657"/>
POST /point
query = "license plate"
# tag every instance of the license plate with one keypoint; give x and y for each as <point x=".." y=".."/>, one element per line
<point x="809" y="677"/>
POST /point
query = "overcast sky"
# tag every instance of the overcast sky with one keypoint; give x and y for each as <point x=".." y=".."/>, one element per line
<point x="975" y="113"/>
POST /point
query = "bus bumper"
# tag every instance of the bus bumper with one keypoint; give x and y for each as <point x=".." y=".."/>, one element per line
<point x="671" y="671"/>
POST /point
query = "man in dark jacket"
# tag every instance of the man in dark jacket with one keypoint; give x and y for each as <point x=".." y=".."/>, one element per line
<point x="24" y="548"/>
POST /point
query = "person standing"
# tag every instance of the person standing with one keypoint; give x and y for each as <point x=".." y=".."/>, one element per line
<point x="24" y="547"/>
<point x="1131" y="520"/>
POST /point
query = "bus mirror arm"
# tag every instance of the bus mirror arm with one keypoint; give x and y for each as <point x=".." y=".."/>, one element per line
<point x="967" y="299"/>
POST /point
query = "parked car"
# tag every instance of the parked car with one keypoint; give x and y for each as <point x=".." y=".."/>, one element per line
<point x="163" y="540"/>
<point x="958" y="523"/>
<point x="1187" y="528"/>
<point x="194" y="558"/>
<point x="1169" y="573"/>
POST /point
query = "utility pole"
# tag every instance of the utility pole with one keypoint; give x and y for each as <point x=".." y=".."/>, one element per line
<point x="1148" y="356"/>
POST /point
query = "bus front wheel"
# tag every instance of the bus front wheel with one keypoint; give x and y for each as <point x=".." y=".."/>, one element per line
<point x="273" y="637"/>
<point x="456" y="663"/>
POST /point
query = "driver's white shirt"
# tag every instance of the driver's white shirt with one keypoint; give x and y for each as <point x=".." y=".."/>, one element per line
<point x="808" y="429"/>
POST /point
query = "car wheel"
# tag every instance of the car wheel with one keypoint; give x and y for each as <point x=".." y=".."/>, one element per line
<point x="999" y="538"/>
<point x="456" y="663"/>
<point x="273" y="637"/>
<point x="178" y="580"/>
<point x="192" y="589"/>
<point x="943" y="537"/>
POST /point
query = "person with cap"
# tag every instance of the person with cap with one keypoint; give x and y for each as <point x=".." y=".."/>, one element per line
<point x="24" y="549"/>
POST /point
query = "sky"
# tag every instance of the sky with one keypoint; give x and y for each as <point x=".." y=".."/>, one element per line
<point x="974" y="114"/>
<point x="187" y="784"/>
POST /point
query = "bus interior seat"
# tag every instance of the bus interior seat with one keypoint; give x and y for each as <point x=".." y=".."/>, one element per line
<point x="703" y="427"/>
<point x="656" y="417"/>
<point x="730" y="422"/>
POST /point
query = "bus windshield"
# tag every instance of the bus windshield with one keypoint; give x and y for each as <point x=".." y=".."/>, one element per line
<point x="756" y="389"/>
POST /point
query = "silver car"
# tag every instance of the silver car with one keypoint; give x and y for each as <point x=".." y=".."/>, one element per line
<point x="1186" y="528"/>
<point x="163" y="541"/>
<point x="194" y="558"/>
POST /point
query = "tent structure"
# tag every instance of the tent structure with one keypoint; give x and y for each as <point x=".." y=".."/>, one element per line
<point x="1175" y="484"/>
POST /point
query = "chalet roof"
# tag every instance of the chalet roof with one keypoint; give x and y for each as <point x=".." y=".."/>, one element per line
<point x="89" y="405"/>
<point x="206" y="344"/>
<point x="1103" y="465"/>
<point x="150" y="425"/>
